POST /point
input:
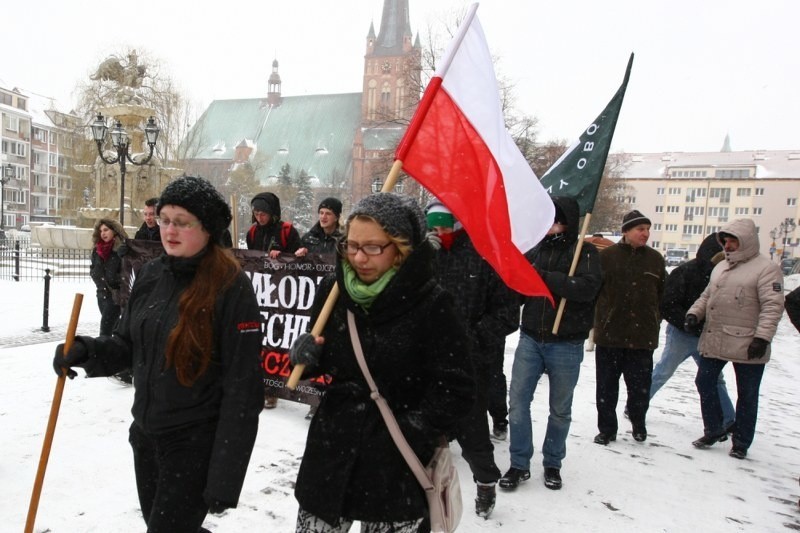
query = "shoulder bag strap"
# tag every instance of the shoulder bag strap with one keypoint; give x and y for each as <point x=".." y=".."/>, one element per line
<point x="388" y="417"/>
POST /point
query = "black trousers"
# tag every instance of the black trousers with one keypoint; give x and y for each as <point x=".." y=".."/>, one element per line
<point x="636" y="366"/>
<point x="498" y="387"/>
<point x="109" y="314"/>
<point x="472" y="434"/>
<point x="171" y="472"/>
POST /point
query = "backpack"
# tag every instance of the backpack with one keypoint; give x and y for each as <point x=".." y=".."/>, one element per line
<point x="286" y="229"/>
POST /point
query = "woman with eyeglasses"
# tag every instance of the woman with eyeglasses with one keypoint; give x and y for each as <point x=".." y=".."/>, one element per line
<point x="414" y="346"/>
<point x="191" y="332"/>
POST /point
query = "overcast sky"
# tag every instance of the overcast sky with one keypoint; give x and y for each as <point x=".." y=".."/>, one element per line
<point x="702" y="69"/>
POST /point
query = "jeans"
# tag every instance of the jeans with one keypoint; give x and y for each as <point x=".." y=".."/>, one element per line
<point x="562" y="362"/>
<point x="748" y="382"/>
<point x="636" y="366"/>
<point x="678" y="346"/>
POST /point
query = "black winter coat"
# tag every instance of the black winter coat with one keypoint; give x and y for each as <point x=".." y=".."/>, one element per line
<point x="552" y="259"/>
<point x="792" y="304"/>
<point x="268" y="237"/>
<point x="319" y="242"/>
<point x="107" y="275"/>
<point x="231" y="390"/>
<point x="413" y="342"/>
<point x="489" y="308"/>
<point x="148" y="234"/>
<point x="687" y="282"/>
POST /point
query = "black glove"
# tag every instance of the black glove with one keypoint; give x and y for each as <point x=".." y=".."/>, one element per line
<point x="216" y="506"/>
<point x="690" y="324"/>
<point x="78" y="354"/>
<point x="305" y="351"/>
<point x="757" y="348"/>
<point x="122" y="250"/>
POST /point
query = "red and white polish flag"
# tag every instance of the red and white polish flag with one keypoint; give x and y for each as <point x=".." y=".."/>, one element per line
<point x="458" y="148"/>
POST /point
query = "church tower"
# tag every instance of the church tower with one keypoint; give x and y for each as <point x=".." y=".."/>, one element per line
<point x="274" y="86"/>
<point x="390" y="94"/>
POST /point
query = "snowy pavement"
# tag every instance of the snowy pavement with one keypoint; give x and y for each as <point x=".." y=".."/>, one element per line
<point x="663" y="484"/>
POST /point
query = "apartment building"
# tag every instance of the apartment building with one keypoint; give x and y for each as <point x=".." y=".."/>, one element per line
<point x="37" y="141"/>
<point x="688" y="195"/>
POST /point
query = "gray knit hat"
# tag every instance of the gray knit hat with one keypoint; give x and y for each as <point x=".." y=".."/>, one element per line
<point x="201" y="199"/>
<point x="633" y="219"/>
<point x="399" y="215"/>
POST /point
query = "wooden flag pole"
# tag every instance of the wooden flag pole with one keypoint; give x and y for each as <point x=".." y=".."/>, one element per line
<point x="563" y="303"/>
<point x="235" y="222"/>
<point x="51" y="422"/>
<point x="322" y="319"/>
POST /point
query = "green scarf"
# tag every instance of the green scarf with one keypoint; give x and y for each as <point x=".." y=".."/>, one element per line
<point x="360" y="292"/>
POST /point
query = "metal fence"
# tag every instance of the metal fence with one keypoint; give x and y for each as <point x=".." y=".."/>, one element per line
<point x="20" y="260"/>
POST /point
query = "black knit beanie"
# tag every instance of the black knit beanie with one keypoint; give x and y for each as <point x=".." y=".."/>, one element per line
<point x="334" y="204"/>
<point x="201" y="199"/>
<point x="399" y="215"/>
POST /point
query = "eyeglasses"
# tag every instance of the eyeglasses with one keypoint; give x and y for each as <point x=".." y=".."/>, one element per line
<point x="351" y="248"/>
<point x="180" y="225"/>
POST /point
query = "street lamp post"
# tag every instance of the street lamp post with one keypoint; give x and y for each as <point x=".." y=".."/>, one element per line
<point x="782" y="232"/>
<point x="8" y="173"/>
<point x="121" y="143"/>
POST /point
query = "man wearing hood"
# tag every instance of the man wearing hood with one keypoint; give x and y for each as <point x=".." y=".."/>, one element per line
<point x="741" y="306"/>
<point x="268" y="232"/>
<point x="684" y="285"/>
<point x="541" y="351"/>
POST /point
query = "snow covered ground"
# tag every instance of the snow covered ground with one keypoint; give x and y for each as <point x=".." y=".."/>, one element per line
<point x="663" y="484"/>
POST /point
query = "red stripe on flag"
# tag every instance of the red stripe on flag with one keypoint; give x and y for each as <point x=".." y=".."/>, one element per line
<point x="449" y="158"/>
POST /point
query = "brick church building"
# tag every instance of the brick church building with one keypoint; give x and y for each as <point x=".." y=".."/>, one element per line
<point x="344" y="142"/>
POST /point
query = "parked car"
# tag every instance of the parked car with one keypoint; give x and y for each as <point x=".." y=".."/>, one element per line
<point x="788" y="263"/>
<point x="676" y="256"/>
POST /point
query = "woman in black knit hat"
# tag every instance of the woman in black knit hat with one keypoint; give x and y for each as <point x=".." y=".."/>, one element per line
<point x="415" y="347"/>
<point x="191" y="333"/>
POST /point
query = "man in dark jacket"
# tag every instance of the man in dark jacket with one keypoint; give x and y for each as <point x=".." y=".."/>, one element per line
<point x="274" y="236"/>
<point x="490" y="311"/>
<point x="626" y="324"/>
<point x="684" y="285"/>
<point x="149" y="230"/>
<point x="268" y="232"/>
<point x="323" y="237"/>
<point x="558" y="354"/>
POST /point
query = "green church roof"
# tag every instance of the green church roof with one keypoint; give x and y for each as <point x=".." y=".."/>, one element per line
<point x="314" y="133"/>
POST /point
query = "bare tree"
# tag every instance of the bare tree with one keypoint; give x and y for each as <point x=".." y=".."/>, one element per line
<point x="614" y="196"/>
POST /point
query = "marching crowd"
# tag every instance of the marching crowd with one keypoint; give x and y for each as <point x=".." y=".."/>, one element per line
<point x="431" y="317"/>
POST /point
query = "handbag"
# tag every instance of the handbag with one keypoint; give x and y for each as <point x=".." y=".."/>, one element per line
<point x="439" y="479"/>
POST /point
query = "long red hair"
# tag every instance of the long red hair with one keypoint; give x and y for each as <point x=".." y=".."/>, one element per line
<point x="191" y="342"/>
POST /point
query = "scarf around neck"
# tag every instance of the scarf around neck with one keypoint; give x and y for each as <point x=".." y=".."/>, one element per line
<point x="104" y="248"/>
<point x="362" y="293"/>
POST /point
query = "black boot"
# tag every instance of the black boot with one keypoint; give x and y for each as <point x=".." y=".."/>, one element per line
<point x="706" y="441"/>
<point x="484" y="500"/>
<point x="513" y="477"/>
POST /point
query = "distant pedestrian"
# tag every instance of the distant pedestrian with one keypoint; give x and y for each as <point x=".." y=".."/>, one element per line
<point x="106" y="270"/>
<point x="626" y="325"/>
<point x="741" y="306"/>
<point x="149" y="231"/>
<point x="324" y="236"/>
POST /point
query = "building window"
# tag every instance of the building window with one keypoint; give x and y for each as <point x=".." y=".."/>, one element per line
<point x="659" y="209"/>
<point x="743" y="191"/>
<point x="674" y="190"/>
<point x="759" y="191"/>
<point x="655" y="244"/>
<point x="742" y="211"/>
<point x="673" y="209"/>
<point x="791" y="201"/>
<point x="671" y="227"/>
<point x="657" y="226"/>
<point x="722" y="193"/>
<point x="757" y="211"/>
<point x="660" y="191"/>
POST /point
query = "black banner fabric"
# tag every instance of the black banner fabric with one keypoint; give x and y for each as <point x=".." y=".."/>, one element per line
<point x="285" y="289"/>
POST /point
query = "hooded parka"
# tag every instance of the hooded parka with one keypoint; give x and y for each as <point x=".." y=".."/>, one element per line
<point x="743" y="299"/>
<point x="270" y="236"/>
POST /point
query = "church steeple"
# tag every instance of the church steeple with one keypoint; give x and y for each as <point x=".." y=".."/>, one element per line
<point x="394" y="38"/>
<point x="274" y="86"/>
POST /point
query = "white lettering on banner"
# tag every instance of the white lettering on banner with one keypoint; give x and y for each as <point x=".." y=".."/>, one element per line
<point x="291" y="291"/>
<point x="293" y="326"/>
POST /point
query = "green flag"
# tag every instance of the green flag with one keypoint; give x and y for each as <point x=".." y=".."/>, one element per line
<point x="578" y="172"/>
